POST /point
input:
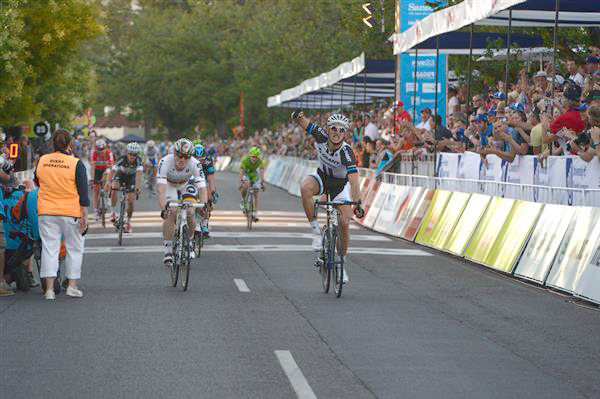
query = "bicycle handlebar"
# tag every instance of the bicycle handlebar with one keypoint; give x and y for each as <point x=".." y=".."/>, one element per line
<point x="185" y="205"/>
<point x="334" y="203"/>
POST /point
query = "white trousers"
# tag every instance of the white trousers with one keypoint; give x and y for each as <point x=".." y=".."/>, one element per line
<point x="52" y="228"/>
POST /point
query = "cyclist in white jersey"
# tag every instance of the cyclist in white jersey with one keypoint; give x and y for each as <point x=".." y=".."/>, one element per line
<point x="337" y="175"/>
<point x="176" y="172"/>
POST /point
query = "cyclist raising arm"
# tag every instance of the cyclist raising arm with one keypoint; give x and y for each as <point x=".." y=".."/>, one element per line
<point x="174" y="172"/>
<point x="336" y="175"/>
<point x="250" y="163"/>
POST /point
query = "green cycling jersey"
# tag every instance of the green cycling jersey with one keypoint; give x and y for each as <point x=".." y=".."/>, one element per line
<point x="250" y="167"/>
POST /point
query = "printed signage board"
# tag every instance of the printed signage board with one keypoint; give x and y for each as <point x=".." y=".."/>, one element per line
<point x="449" y="218"/>
<point x="462" y="233"/>
<point x="437" y="208"/>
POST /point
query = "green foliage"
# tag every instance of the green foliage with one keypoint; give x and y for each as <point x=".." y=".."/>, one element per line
<point x="41" y="52"/>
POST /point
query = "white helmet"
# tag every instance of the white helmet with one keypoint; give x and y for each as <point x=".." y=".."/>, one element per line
<point x="133" y="148"/>
<point x="338" y="120"/>
<point x="100" y="143"/>
<point x="150" y="143"/>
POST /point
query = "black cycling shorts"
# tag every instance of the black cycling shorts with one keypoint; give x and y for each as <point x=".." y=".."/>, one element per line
<point x="126" y="180"/>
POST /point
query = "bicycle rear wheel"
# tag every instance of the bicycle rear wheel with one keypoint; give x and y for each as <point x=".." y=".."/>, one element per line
<point x="337" y="263"/>
<point x="324" y="269"/>
<point x="184" y="261"/>
<point x="103" y="209"/>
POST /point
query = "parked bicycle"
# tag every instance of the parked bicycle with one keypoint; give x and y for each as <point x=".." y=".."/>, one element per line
<point x="180" y="270"/>
<point x="329" y="260"/>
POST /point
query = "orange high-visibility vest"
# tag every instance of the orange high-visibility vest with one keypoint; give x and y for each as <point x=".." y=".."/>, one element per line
<point x="58" y="195"/>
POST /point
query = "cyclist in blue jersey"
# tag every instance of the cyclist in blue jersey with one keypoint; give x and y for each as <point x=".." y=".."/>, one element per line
<point x="208" y="168"/>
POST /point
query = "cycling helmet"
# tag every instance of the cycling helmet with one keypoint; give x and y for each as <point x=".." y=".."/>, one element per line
<point x="150" y="143"/>
<point x="200" y="151"/>
<point x="254" y="152"/>
<point x="184" y="147"/>
<point x="133" y="148"/>
<point x="212" y="151"/>
<point x="100" y="144"/>
<point x="338" y="120"/>
<point x="198" y="142"/>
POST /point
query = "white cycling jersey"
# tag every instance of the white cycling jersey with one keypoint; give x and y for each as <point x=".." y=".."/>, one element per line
<point x="176" y="180"/>
<point x="338" y="164"/>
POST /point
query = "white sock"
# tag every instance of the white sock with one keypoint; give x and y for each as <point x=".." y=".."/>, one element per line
<point x="314" y="225"/>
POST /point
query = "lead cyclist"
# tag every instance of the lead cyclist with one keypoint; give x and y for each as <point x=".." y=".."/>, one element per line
<point x="174" y="172"/>
<point x="336" y="175"/>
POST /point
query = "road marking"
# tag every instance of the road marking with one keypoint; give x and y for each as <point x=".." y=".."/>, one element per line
<point x="241" y="284"/>
<point x="294" y="375"/>
<point x="236" y="234"/>
<point x="262" y="223"/>
<point x="257" y="248"/>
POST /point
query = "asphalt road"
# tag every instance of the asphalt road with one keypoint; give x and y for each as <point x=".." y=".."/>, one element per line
<point x="412" y="323"/>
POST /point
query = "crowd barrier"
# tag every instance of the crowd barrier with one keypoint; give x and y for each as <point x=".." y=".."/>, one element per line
<point x="554" y="245"/>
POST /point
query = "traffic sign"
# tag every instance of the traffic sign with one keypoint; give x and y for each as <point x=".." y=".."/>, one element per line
<point x="41" y="128"/>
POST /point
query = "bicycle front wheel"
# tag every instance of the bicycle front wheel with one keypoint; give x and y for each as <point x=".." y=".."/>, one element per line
<point x="184" y="261"/>
<point x="325" y="269"/>
<point x="176" y="257"/>
<point x="249" y="210"/>
<point x="121" y="222"/>
<point x="337" y="263"/>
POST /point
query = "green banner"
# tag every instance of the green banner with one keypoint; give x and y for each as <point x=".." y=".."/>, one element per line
<point x="513" y="236"/>
<point x="433" y="216"/>
<point x="469" y="219"/>
<point x="489" y="228"/>
<point x="454" y="209"/>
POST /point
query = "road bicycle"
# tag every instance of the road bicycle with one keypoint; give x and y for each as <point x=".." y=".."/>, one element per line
<point x="329" y="261"/>
<point x="250" y="206"/>
<point x="180" y="269"/>
<point x="120" y="221"/>
<point x="102" y="205"/>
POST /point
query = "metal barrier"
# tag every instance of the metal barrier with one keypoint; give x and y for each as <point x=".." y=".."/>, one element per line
<point x="532" y="193"/>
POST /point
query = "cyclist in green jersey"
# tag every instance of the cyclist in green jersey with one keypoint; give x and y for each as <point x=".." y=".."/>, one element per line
<point x="252" y="172"/>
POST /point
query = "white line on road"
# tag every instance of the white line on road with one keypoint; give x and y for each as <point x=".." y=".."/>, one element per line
<point x="294" y="374"/>
<point x="236" y="234"/>
<point x="257" y="248"/>
<point x="241" y="284"/>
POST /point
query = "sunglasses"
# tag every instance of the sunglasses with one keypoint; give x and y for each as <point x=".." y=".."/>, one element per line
<point x="182" y="156"/>
<point x="338" y="129"/>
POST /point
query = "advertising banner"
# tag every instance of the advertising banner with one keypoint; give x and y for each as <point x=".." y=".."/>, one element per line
<point x="433" y="216"/>
<point x="404" y="210"/>
<point x="416" y="216"/>
<point x="488" y="230"/>
<point x="394" y="200"/>
<point x="462" y="233"/>
<point x="448" y="219"/>
<point x="412" y="11"/>
<point x="588" y="286"/>
<point x="543" y="245"/>
<point x="468" y="166"/>
<point x="368" y="198"/>
<point x="447" y="164"/>
<point x="513" y="236"/>
<point x="378" y="203"/>
<point x="576" y="250"/>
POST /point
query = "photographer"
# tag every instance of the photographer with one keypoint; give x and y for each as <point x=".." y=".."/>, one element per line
<point x="512" y="140"/>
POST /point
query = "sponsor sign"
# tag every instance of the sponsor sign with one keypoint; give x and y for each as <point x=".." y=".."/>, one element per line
<point x="466" y="225"/>
<point x="433" y="216"/>
<point x="404" y="210"/>
<point x="369" y="197"/>
<point x="412" y="11"/>
<point x="576" y="250"/>
<point x="416" y="216"/>
<point x="513" y="236"/>
<point x="448" y="219"/>
<point x="378" y="203"/>
<point x="543" y="245"/>
<point x="489" y="229"/>
<point x="390" y="207"/>
<point x="588" y="286"/>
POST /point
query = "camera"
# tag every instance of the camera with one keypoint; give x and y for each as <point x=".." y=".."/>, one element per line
<point x="583" y="139"/>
